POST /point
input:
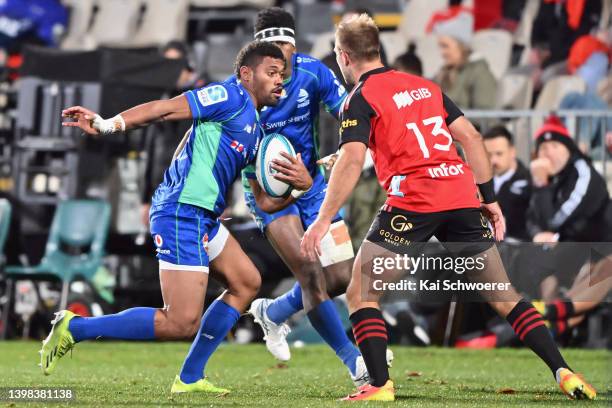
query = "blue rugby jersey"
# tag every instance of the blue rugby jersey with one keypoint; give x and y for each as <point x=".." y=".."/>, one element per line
<point x="222" y="140"/>
<point x="296" y="114"/>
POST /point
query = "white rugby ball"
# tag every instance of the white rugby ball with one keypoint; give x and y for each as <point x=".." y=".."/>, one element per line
<point x="269" y="149"/>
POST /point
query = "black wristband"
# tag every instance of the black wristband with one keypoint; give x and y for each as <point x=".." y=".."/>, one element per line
<point x="487" y="191"/>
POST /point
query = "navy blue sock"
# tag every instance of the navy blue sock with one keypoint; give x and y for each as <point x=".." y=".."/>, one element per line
<point x="283" y="307"/>
<point x="132" y="324"/>
<point x="324" y="318"/>
<point x="216" y="323"/>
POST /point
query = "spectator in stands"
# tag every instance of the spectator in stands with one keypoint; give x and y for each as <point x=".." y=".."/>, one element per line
<point x="189" y="79"/>
<point x="409" y="62"/>
<point x="591" y="134"/>
<point x="589" y="59"/>
<point x="569" y="198"/>
<point x="465" y="76"/>
<point x="511" y="181"/>
<point x="559" y="23"/>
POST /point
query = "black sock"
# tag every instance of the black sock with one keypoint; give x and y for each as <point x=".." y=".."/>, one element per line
<point x="560" y="309"/>
<point x="531" y="329"/>
<point x="371" y="336"/>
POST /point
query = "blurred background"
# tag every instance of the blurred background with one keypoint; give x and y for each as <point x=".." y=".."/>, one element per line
<point x="73" y="210"/>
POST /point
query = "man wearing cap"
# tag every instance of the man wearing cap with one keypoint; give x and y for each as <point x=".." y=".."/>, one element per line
<point x="570" y="197"/>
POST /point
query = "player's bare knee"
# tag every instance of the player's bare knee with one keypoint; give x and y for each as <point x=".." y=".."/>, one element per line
<point x="312" y="281"/>
<point x="246" y="286"/>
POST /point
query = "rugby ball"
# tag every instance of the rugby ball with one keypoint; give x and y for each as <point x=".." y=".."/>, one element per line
<point x="269" y="149"/>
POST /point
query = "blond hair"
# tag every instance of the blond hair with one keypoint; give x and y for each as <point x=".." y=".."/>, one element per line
<point x="358" y="36"/>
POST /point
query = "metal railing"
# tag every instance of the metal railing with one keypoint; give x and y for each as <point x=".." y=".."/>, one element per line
<point x="588" y="128"/>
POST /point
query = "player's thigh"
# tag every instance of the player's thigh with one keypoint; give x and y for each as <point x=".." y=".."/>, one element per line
<point x="232" y="267"/>
<point x="181" y="237"/>
<point x="285" y="234"/>
<point x="336" y="246"/>
<point x="468" y="236"/>
<point x="393" y="232"/>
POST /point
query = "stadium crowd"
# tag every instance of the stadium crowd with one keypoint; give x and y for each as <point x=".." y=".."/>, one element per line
<point x="536" y="63"/>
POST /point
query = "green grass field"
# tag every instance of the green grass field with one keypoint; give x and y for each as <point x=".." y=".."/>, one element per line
<point x="117" y="374"/>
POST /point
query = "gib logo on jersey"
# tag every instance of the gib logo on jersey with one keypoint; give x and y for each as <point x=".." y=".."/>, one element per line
<point x="445" y="170"/>
<point x="158" y="243"/>
<point x="407" y="98"/>
<point x="303" y="98"/>
<point x="212" y="94"/>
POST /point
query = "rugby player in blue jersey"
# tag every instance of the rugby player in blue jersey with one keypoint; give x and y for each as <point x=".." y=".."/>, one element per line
<point x="184" y="217"/>
<point x="307" y="84"/>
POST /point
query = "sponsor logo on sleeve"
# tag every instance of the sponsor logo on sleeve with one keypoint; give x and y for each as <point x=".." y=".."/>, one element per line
<point x="212" y="95"/>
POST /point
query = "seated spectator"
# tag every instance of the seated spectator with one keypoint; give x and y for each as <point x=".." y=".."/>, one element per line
<point x="465" y="77"/>
<point x="590" y="135"/>
<point x="588" y="58"/>
<point x="409" y="62"/>
<point x="569" y="197"/>
<point x="511" y="181"/>
<point x="559" y="23"/>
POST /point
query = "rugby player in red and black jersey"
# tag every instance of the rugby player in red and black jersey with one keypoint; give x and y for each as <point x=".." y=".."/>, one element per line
<point x="410" y="126"/>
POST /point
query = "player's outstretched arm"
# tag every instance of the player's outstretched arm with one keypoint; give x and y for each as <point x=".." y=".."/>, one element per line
<point x="344" y="177"/>
<point x="291" y="171"/>
<point x="142" y="115"/>
<point x="465" y="133"/>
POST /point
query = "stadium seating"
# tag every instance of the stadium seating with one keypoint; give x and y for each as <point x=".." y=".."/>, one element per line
<point x="427" y="50"/>
<point x="514" y="91"/>
<point x="496" y="48"/>
<point x="555" y="89"/>
<point x="231" y="3"/>
<point x="416" y="15"/>
<point x="75" y="246"/>
<point x="394" y="44"/>
<point x="5" y="221"/>
<point x="322" y="45"/>
<point x="116" y="22"/>
<point x="163" y="21"/>
<point x="81" y="15"/>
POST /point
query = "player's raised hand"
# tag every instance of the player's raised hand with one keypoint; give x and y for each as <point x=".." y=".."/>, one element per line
<point x="292" y="171"/>
<point x="310" y="247"/>
<point x="83" y="118"/>
<point x="328" y="161"/>
<point x="494" y="213"/>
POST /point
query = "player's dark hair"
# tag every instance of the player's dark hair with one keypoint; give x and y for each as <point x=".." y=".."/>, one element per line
<point x="274" y="17"/>
<point x="499" y="131"/>
<point x="409" y="61"/>
<point x="254" y="52"/>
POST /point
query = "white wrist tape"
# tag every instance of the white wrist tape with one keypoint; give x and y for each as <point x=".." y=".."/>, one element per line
<point x="336" y="245"/>
<point x="108" y="126"/>
<point x="295" y="193"/>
